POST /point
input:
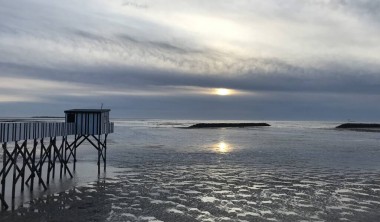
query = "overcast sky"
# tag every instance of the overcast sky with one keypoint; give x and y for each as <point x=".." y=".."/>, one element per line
<point x="283" y="59"/>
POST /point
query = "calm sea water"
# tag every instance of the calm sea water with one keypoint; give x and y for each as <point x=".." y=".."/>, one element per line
<point x="291" y="171"/>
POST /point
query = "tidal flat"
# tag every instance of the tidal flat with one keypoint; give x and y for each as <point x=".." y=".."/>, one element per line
<point x="292" y="171"/>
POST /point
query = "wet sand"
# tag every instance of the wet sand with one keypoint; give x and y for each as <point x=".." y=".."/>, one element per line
<point x="222" y="192"/>
<point x="288" y="173"/>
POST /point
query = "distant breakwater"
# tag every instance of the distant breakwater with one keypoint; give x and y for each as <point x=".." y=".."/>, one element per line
<point x="359" y="126"/>
<point x="224" y="125"/>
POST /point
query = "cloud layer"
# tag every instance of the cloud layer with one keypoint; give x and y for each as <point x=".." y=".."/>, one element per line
<point x="311" y="59"/>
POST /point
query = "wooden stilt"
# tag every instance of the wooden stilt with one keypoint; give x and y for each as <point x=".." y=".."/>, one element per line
<point x="100" y="147"/>
<point x="40" y="163"/>
<point x="49" y="160"/>
<point x="24" y="151"/>
<point x="75" y="152"/>
<point x="65" y="158"/>
<point x="37" y="168"/>
<point x="15" y="169"/>
<point x="61" y="153"/>
<point x="99" y="154"/>
<point x="62" y="160"/>
<point x="105" y="152"/>
<point x="4" y="204"/>
<point x="34" y="168"/>
<point x="53" y="163"/>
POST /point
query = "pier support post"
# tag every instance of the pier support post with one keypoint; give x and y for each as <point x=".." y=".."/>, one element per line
<point x="23" y="151"/>
<point x="99" y="153"/>
<point x="29" y="160"/>
<point x="60" y="152"/>
<point x="41" y="161"/>
<point x="101" y="147"/>
<point x="65" y="159"/>
<point x="15" y="169"/>
<point x="75" y="152"/>
<point x="34" y="168"/>
<point x="48" y="153"/>
<point x="105" y="152"/>
<point x="4" y="204"/>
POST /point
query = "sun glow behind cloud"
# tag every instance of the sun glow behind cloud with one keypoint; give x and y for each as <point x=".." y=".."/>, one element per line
<point x="223" y="92"/>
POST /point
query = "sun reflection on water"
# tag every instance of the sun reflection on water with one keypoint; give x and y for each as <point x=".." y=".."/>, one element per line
<point x="222" y="147"/>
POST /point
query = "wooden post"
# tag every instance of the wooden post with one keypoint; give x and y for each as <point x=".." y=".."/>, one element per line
<point x="37" y="168"/>
<point x="34" y="169"/>
<point x="75" y="152"/>
<point x="49" y="160"/>
<point x="99" y="154"/>
<point x="23" y="150"/>
<point x="65" y="157"/>
<point x="15" y="169"/>
<point x="40" y="162"/>
<point x="61" y="153"/>
<point x="105" y="152"/>
<point x="53" y="163"/>
<point x="4" y="205"/>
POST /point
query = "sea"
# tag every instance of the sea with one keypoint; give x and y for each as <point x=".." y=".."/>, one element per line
<point x="159" y="170"/>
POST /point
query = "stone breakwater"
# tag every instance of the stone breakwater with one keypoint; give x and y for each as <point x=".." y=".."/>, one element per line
<point x="359" y="126"/>
<point x="223" y="125"/>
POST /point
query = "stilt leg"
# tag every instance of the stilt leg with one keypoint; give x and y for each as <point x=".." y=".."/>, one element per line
<point x="65" y="157"/>
<point x="99" y="154"/>
<point x="4" y="205"/>
<point x="49" y="161"/>
<point x="34" y="169"/>
<point x="15" y="168"/>
<point x="53" y="163"/>
<point x="42" y="147"/>
<point x="24" y="150"/>
<point x="61" y="163"/>
<point x="105" y="152"/>
<point x="75" y="152"/>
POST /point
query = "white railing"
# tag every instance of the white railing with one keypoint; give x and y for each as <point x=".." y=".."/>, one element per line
<point x="36" y="130"/>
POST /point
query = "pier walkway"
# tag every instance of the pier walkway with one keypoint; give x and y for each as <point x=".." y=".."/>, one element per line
<point x="29" y="148"/>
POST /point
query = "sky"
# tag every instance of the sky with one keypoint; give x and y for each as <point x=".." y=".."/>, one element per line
<point x="280" y="59"/>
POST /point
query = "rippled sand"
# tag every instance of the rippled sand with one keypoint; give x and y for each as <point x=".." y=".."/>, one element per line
<point x="223" y="192"/>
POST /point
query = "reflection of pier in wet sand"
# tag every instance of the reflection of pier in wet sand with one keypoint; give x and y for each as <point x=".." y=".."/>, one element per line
<point x="29" y="147"/>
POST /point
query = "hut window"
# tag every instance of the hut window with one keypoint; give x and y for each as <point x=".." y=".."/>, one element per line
<point x="71" y="118"/>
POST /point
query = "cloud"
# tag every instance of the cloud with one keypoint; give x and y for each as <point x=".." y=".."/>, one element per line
<point x="118" y="50"/>
<point x="191" y="38"/>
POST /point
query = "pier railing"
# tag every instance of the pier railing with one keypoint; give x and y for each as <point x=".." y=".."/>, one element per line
<point x="34" y="130"/>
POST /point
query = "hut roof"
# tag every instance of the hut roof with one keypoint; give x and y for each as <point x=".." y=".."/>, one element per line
<point x="87" y="111"/>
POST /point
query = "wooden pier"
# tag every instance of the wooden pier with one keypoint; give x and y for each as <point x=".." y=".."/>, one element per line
<point x="29" y="148"/>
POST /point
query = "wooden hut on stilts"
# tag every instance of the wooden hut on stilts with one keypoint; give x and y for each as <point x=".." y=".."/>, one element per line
<point x="57" y="143"/>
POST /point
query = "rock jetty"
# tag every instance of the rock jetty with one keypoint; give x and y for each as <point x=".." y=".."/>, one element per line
<point x="224" y="125"/>
<point x="359" y="126"/>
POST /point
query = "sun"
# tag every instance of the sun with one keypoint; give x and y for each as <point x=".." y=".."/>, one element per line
<point x="222" y="92"/>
